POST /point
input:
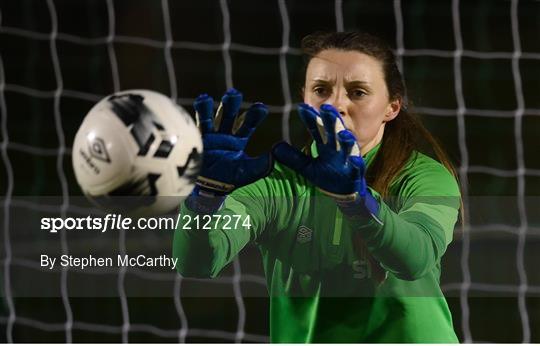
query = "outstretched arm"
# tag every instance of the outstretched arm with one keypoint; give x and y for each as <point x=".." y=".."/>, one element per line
<point x="221" y="226"/>
<point x="204" y="251"/>
<point x="408" y="243"/>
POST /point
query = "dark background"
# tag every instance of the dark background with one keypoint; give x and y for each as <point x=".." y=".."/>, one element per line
<point x="59" y="57"/>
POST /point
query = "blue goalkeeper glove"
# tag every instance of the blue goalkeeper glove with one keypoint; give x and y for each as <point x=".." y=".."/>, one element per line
<point x="225" y="165"/>
<point x="335" y="171"/>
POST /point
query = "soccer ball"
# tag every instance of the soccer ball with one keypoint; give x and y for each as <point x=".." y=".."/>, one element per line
<point x="138" y="152"/>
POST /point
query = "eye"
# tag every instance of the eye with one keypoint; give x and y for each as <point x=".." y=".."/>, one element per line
<point x="321" y="91"/>
<point x="356" y="93"/>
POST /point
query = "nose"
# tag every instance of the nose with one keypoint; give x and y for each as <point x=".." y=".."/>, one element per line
<point x="339" y="100"/>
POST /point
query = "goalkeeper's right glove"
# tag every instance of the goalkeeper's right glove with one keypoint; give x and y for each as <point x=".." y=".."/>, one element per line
<point x="226" y="166"/>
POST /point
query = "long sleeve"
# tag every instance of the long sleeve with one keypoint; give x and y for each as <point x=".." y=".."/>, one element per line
<point x="417" y="230"/>
<point x="205" y="252"/>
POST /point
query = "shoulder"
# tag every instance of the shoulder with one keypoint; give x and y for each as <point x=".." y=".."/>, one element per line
<point x="423" y="175"/>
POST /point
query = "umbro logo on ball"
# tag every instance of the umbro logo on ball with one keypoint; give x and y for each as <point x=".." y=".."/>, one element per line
<point x="98" y="150"/>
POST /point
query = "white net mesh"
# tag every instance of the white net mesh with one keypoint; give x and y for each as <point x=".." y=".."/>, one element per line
<point x="237" y="57"/>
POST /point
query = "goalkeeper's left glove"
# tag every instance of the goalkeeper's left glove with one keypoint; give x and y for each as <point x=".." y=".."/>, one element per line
<point x="335" y="171"/>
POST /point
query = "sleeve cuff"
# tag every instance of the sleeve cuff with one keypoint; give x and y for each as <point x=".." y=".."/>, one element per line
<point x="363" y="211"/>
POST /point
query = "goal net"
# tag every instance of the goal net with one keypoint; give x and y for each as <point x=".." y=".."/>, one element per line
<point x="473" y="73"/>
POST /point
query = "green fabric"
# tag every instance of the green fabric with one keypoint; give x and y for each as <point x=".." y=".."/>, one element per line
<point x="321" y="289"/>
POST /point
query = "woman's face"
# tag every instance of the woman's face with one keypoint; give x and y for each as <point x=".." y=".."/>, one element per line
<point x="354" y="84"/>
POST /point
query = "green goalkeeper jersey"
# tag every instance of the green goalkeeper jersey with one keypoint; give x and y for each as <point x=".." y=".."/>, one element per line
<point x="331" y="278"/>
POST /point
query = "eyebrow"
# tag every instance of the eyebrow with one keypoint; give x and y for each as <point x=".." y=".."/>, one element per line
<point x="331" y="81"/>
<point x="323" y="80"/>
<point x="357" y="82"/>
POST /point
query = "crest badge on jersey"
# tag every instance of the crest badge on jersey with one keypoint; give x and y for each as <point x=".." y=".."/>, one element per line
<point x="304" y="234"/>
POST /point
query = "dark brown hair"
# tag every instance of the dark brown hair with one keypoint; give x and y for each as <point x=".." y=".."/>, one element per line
<point x="403" y="135"/>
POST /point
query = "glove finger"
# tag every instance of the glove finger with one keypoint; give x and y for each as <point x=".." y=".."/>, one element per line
<point x="359" y="165"/>
<point x="231" y="102"/>
<point x="254" y="168"/>
<point x="253" y="117"/>
<point x="204" y="110"/>
<point x="329" y="115"/>
<point x="346" y="142"/>
<point x="291" y="157"/>
<point x="309" y="117"/>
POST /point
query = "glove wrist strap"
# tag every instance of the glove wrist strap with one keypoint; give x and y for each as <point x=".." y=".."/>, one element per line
<point x="201" y="201"/>
<point x="339" y="197"/>
<point x="214" y="186"/>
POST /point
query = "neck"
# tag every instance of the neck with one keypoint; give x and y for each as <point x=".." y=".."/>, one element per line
<point x="366" y="147"/>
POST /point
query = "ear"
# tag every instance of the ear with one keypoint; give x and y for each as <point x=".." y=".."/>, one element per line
<point x="392" y="110"/>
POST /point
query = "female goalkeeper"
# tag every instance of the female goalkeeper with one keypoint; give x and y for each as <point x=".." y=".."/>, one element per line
<point x="353" y="228"/>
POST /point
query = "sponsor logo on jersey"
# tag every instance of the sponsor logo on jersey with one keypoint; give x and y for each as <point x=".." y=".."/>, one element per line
<point x="361" y="269"/>
<point x="368" y="268"/>
<point x="304" y="234"/>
